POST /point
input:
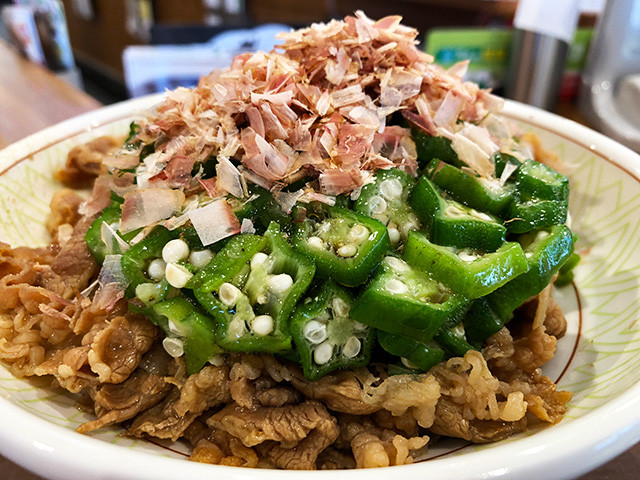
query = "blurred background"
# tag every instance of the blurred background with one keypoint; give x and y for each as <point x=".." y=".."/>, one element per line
<point x="536" y="51"/>
<point x="126" y="48"/>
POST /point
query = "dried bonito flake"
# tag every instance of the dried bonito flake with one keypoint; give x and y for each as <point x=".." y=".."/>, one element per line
<point x="316" y="106"/>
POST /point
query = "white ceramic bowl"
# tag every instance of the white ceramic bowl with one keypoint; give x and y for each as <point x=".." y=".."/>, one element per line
<point x="597" y="360"/>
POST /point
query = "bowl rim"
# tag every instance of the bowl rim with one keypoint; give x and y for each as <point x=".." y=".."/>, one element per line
<point x="563" y="451"/>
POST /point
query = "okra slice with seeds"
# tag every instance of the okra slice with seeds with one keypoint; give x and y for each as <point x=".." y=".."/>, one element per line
<point x="345" y="245"/>
<point x="481" y="322"/>
<point x="405" y="301"/>
<point x="470" y="273"/>
<point x="541" y="198"/>
<point x="327" y="338"/>
<point x="142" y="266"/>
<point x="537" y="180"/>
<point x="386" y="201"/>
<point x="488" y="195"/>
<point x="429" y="147"/>
<point x="453" y="224"/>
<point x="526" y="215"/>
<point x="545" y="250"/>
<point x="106" y="228"/>
<point x="251" y="288"/>
<point x="160" y="262"/>
<point x="415" y="355"/>
<point x="187" y="331"/>
<point x="453" y="340"/>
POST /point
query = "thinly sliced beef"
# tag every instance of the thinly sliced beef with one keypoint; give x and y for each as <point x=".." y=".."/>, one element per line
<point x="542" y="397"/>
<point x="116" y="350"/>
<point x="526" y="353"/>
<point x="333" y="459"/>
<point x="64" y="210"/>
<point x="108" y="353"/>
<point x="19" y="268"/>
<point x="115" y="403"/>
<point x="340" y="391"/>
<point x="84" y="163"/>
<point x="375" y="446"/>
<point x="450" y="421"/>
<point x="405" y="424"/>
<point x="475" y="405"/>
<point x="220" y="448"/>
<point x="73" y="267"/>
<point x="352" y="426"/>
<point x="251" y="387"/>
<point x="554" y="321"/>
<point x="415" y="395"/>
<point x="390" y="449"/>
<point x="278" y="396"/>
<point x="291" y="436"/>
<point x="70" y="368"/>
<point x="169" y="419"/>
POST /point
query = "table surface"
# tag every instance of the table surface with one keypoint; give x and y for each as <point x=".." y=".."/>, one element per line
<point x="32" y="98"/>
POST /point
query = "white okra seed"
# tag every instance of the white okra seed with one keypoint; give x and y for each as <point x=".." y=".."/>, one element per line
<point x="377" y="205"/>
<point x="323" y="353"/>
<point x="177" y="275"/>
<point x="454" y="211"/>
<point x="173" y="346"/>
<point x="480" y="215"/>
<point x="398" y="266"/>
<point x="359" y="327"/>
<point x="258" y="259"/>
<point x="279" y="284"/>
<point x="236" y="328"/>
<point x="229" y="294"/>
<point x="316" y="242"/>
<point x="148" y="292"/>
<point x="200" y="258"/>
<point x="412" y="223"/>
<point x="174" y="329"/>
<point x="156" y="269"/>
<point x="394" y="235"/>
<point x="358" y="234"/>
<point x="324" y="227"/>
<point x="217" y="360"/>
<point x="396" y="286"/>
<point x="175" y="250"/>
<point x="347" y="251"/>
<point x="262" y="325"/>
<point x="458" y="330"/>
<point x="351" y="347"/>
<point x="315" y="332"/>
<point x="466" y="256"/>
<point x="340" y="307"/>
<point x="391" y="189"/>
<point x="408" y="363"/>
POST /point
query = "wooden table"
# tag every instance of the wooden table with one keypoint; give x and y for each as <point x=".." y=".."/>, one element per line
<point x="31" y="98"/>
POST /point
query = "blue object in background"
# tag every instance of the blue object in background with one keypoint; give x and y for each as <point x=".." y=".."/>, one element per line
<point x="152" y="69"/>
